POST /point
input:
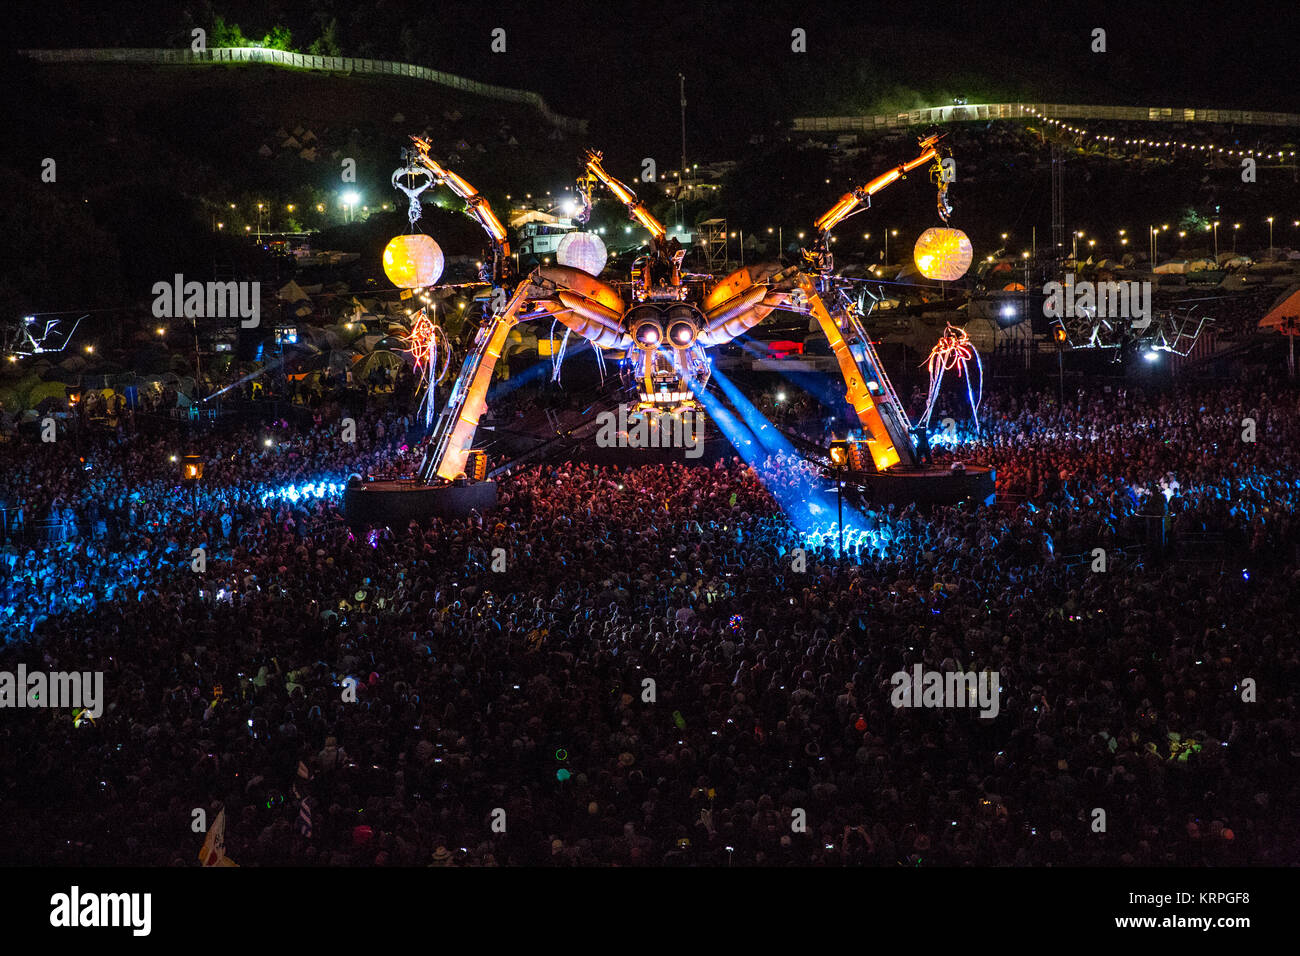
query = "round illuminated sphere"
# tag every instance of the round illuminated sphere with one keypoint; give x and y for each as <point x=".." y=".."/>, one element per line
<point x="582" y="250"/>
<point x="413" y="261"/>
<point x="942" y="253"/>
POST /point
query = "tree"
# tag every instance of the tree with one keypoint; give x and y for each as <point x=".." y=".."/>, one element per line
<point x="227" y="34"/>
<point x="327" y="44"/>
<point x="279" y="39"/>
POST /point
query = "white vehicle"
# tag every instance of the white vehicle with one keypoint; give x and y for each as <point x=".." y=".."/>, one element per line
<point x="540" y="240"/>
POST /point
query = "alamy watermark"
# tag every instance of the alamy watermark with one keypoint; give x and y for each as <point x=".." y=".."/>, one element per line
<point x="76" y="909"/>
<point x="1101" y="300"/>
<point x="652" y="429"/>
<point x="923" y="688"/>
<point x="210" y="300"/>
<point x="57" y="689"/>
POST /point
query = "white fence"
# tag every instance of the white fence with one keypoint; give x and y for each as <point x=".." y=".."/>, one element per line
<point x="303" y="61"/>
<point x="991" y="111"/>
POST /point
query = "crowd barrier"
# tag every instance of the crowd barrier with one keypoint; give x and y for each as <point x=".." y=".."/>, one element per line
<point x="306" y="61"/>
<point x="1025" y="111"/>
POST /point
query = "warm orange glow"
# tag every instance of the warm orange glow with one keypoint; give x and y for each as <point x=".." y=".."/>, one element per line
<point x="849" y="201"/>
<point x="413" y="261"/>
<point x="475" y="399"/>
<point x="625" y="196"/>
<point x="942" y="253"/>
<point x="883" y="451"/>
<point x="478" y="207"/>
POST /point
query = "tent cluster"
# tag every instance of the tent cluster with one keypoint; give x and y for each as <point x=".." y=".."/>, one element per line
<point x="301" y="141"/>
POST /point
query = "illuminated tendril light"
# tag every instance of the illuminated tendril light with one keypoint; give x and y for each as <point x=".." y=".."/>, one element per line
<point x="420" y="340"/>
<point x="954" y="351"/>
<point x="431" y="353"/>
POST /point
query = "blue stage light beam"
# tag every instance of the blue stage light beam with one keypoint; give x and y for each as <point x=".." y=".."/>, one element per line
<point x="768" y="435"/>
<point x="538" y="371"/>
<point x="742" y="439"/>
<point x="269" y="367"/>
<point x="531" y="374"/>
<point x="826" y="389"/>
<point x="811" y="507"/>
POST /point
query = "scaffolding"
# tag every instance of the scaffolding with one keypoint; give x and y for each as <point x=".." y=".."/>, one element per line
<point x="713" y="238"/>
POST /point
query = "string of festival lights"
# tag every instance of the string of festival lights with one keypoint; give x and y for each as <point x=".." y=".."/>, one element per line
<point x="1207" y="149"/>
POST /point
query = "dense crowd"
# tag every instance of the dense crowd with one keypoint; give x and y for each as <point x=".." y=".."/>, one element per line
<point x="636" y="667"/>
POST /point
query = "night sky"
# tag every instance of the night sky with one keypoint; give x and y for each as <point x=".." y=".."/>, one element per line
<point x="616" y="63"/>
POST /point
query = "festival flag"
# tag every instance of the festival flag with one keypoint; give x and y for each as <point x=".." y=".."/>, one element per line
<point x="304" y="776"/>
<point x="214" y="846"/>
<point x="304" y="817"/>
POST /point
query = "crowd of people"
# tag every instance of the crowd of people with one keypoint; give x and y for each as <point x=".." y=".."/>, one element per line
<point x="655" y="665"/>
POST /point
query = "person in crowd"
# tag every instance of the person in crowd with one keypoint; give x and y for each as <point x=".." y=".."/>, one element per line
<point x="772" y="677"/>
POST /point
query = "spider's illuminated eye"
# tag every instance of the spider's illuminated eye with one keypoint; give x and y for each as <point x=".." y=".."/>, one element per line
<point x="682" y="325"/>
<point x="643" y="323"/>
<point x="681" y="334"/>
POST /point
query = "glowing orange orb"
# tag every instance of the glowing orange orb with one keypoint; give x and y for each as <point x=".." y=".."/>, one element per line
<point x="413" y="261"/>
<point x="942" y="253"/>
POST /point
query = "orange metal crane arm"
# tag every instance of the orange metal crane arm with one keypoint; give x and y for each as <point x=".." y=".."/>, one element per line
<point x="884" y="451"/>
<point x="850" y="201"/>
<point x="479" y="207"/>
<point x="625" y="196"/>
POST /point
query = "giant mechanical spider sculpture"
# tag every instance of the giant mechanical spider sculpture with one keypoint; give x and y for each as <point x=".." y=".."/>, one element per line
<point x="664" y="320"/>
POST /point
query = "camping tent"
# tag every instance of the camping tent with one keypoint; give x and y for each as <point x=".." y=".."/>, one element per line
<point x="297" y="302"/>
<point x="388" y="360"/>
<point x="1286" y="308"/>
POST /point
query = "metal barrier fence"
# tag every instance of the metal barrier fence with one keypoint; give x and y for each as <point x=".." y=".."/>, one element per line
<point x="1024" y="111"/>
<point x="28" y="532"/>
<point x="304" y="61"/>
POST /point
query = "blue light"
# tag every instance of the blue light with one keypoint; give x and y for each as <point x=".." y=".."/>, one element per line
<point x="534" y="373"/>
<point x="767" y="434"/>
<point x="944" y="439"/>
<point x="297" y="493"/>
<point x="755" y="439"/>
